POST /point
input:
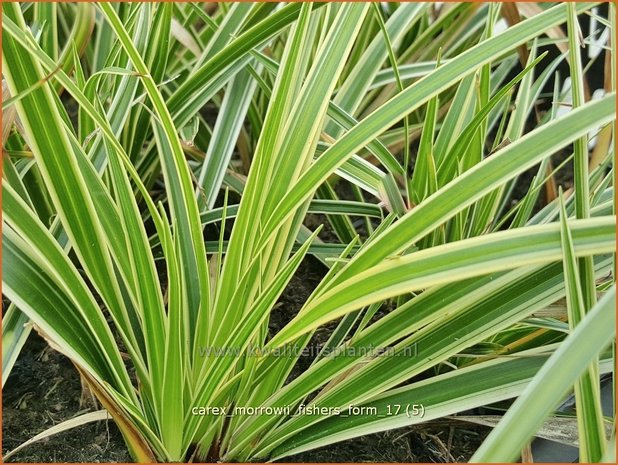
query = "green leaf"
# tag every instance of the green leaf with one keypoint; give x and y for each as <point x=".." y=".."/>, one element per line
<point x="563" y="368"/>
<point x="440" y="265"/>
<point x="587" y="389"/>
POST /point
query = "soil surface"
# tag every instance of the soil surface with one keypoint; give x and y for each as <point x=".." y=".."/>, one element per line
<point x="43" y="390"/>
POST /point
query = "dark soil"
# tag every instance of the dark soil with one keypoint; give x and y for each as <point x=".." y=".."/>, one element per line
<point x="44" y="390"/>
<point x="420" y="444"/>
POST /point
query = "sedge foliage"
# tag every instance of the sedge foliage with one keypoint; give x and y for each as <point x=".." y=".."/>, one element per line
<point x="161" y="159"/>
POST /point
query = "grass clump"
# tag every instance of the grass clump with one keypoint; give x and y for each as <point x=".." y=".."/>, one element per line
<point x="162" y="161"/>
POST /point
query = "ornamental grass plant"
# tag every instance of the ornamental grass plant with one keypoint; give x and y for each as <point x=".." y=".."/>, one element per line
<point x="165" y="166"/>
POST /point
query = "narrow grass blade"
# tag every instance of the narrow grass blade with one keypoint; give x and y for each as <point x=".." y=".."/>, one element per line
<point x="540" y="397"/>
<point x="587" y="389"/>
